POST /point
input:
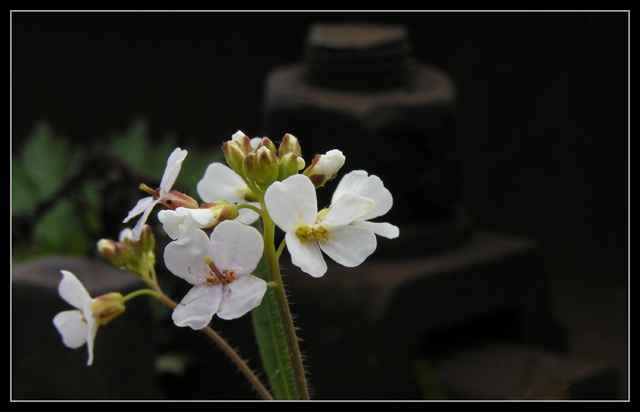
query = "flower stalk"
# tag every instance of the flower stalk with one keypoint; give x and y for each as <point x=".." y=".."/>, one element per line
<point x="273" y="266"/>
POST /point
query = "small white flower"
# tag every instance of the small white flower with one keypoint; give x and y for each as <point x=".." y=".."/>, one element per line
<point x="220" y="182"/>
<point x="358" y="182"/>
<point x="292" y="205"/>
<point x="145" y="205"/>
<point x="220" y="268"/>
<point x="77" y="327"/>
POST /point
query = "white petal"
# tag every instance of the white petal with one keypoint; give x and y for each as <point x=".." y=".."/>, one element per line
<point x="245" y="294"/>
<point x="349" y="183"/>
<point x="198" y="306"/>
<point x="173" y="221"/>
<point x="328" y="164"/>
<point x="247" y="216"/>
<point x="220" y="182"/>
<point x="72" y="327"/>
<point x="185" y="257"/>
<point x="348" y="208"/>
<point x="202" y="218"/>
<point x="137" y="229"/>
<point x="174" y="163"/>
<point x="140" y="207"/>
<point x="379" y="228"/>
<point x="306" y="255"/>
<point x="125" y="234"/>
<point x="255" y="141"/>
<point x="91" y="336"/>
<point x="236" y="247"/>
<point x="349" y="245"/>
<point x="357" y="182"/>
<point x="292" y="202"/>
<point x="374" y="189"/>
<point x="73" y="292"/>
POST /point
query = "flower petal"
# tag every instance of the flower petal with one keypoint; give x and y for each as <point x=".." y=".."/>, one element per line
<point x="247" y="216"/>
<point x="349" y="245"/>
<point x="73" y="291"/>
<point x="174" y="222"/>
<point x="349" y="183"/>
<point x="91" y="337"/>
<point x="202" y="218"/>
<point x="137" y="229"/>
<point x="174" y="164"/>
<point x="72" y="327"/>
<point x="198" y="306"/>
<point x="220" y="182"/>
<point x="185" y="257"/>
<point x="140" y="207"/>
<point x="236" y="247"/>
<point x="306" y="255"/>
<point x="348" y="208"/>
<point x="245" y="294"/>
<point x="357" y="182"/>
<point x="292" y="202"/>
<point x="379" y="228"/>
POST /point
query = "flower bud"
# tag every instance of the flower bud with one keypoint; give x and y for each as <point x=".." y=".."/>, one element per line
<point x="261" y="166"/>
<point x="236" y="149"/>
<point x="289" y="144"/>
<point x="289" y="165"/>
<point x="117" y="253"/>
<point x="175" y="199"/>
<point x="266" y="142"/>
<point x="324" y="167"/>
<point x="147" y="240"/>
<point x="220" y="210"/>
<point x="107" y="307"/>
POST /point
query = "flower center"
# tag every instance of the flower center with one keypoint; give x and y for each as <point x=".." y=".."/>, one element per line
<point x="216" y="276"/>
<point x="312" y="233"/>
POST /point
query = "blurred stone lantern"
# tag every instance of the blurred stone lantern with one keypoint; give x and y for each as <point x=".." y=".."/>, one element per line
<point x="360" y="90"/>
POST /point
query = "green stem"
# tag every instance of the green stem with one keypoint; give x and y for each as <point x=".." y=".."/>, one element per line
<point x="273" y="266"/>
<point x="280" y="248"/>
<point x="235" y="357"/>
<point x="140" y="293"/>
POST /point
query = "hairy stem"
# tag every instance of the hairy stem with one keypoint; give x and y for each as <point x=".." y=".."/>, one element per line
<point x="235" y="357"/>
<point x="273" y="266"/>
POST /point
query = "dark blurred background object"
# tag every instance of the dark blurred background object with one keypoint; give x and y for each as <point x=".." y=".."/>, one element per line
<point x="541" y="117"/>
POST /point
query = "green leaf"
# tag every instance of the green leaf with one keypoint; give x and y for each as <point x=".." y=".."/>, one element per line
<point x="60" y="232"/>
<point x="24" y="190"/>
<point x="47" y="161"/>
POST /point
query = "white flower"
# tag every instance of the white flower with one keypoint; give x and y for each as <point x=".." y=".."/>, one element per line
<point x="220" y="269"/>
<point x="79" y="326"/>
<point x="145" y="205"/>
<point x="220" y="182"/>
<point x="358" y="182"/>
<point x="293" y="207"/>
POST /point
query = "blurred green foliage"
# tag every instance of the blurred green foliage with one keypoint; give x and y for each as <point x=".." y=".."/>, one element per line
<point x="44" y="177"/>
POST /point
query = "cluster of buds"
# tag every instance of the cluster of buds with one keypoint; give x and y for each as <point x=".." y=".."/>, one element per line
<point x="260" y="162"/>
<point x="136" y="256"/>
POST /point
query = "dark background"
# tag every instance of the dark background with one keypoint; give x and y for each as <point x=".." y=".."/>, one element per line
<point x="542" y="105"/>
